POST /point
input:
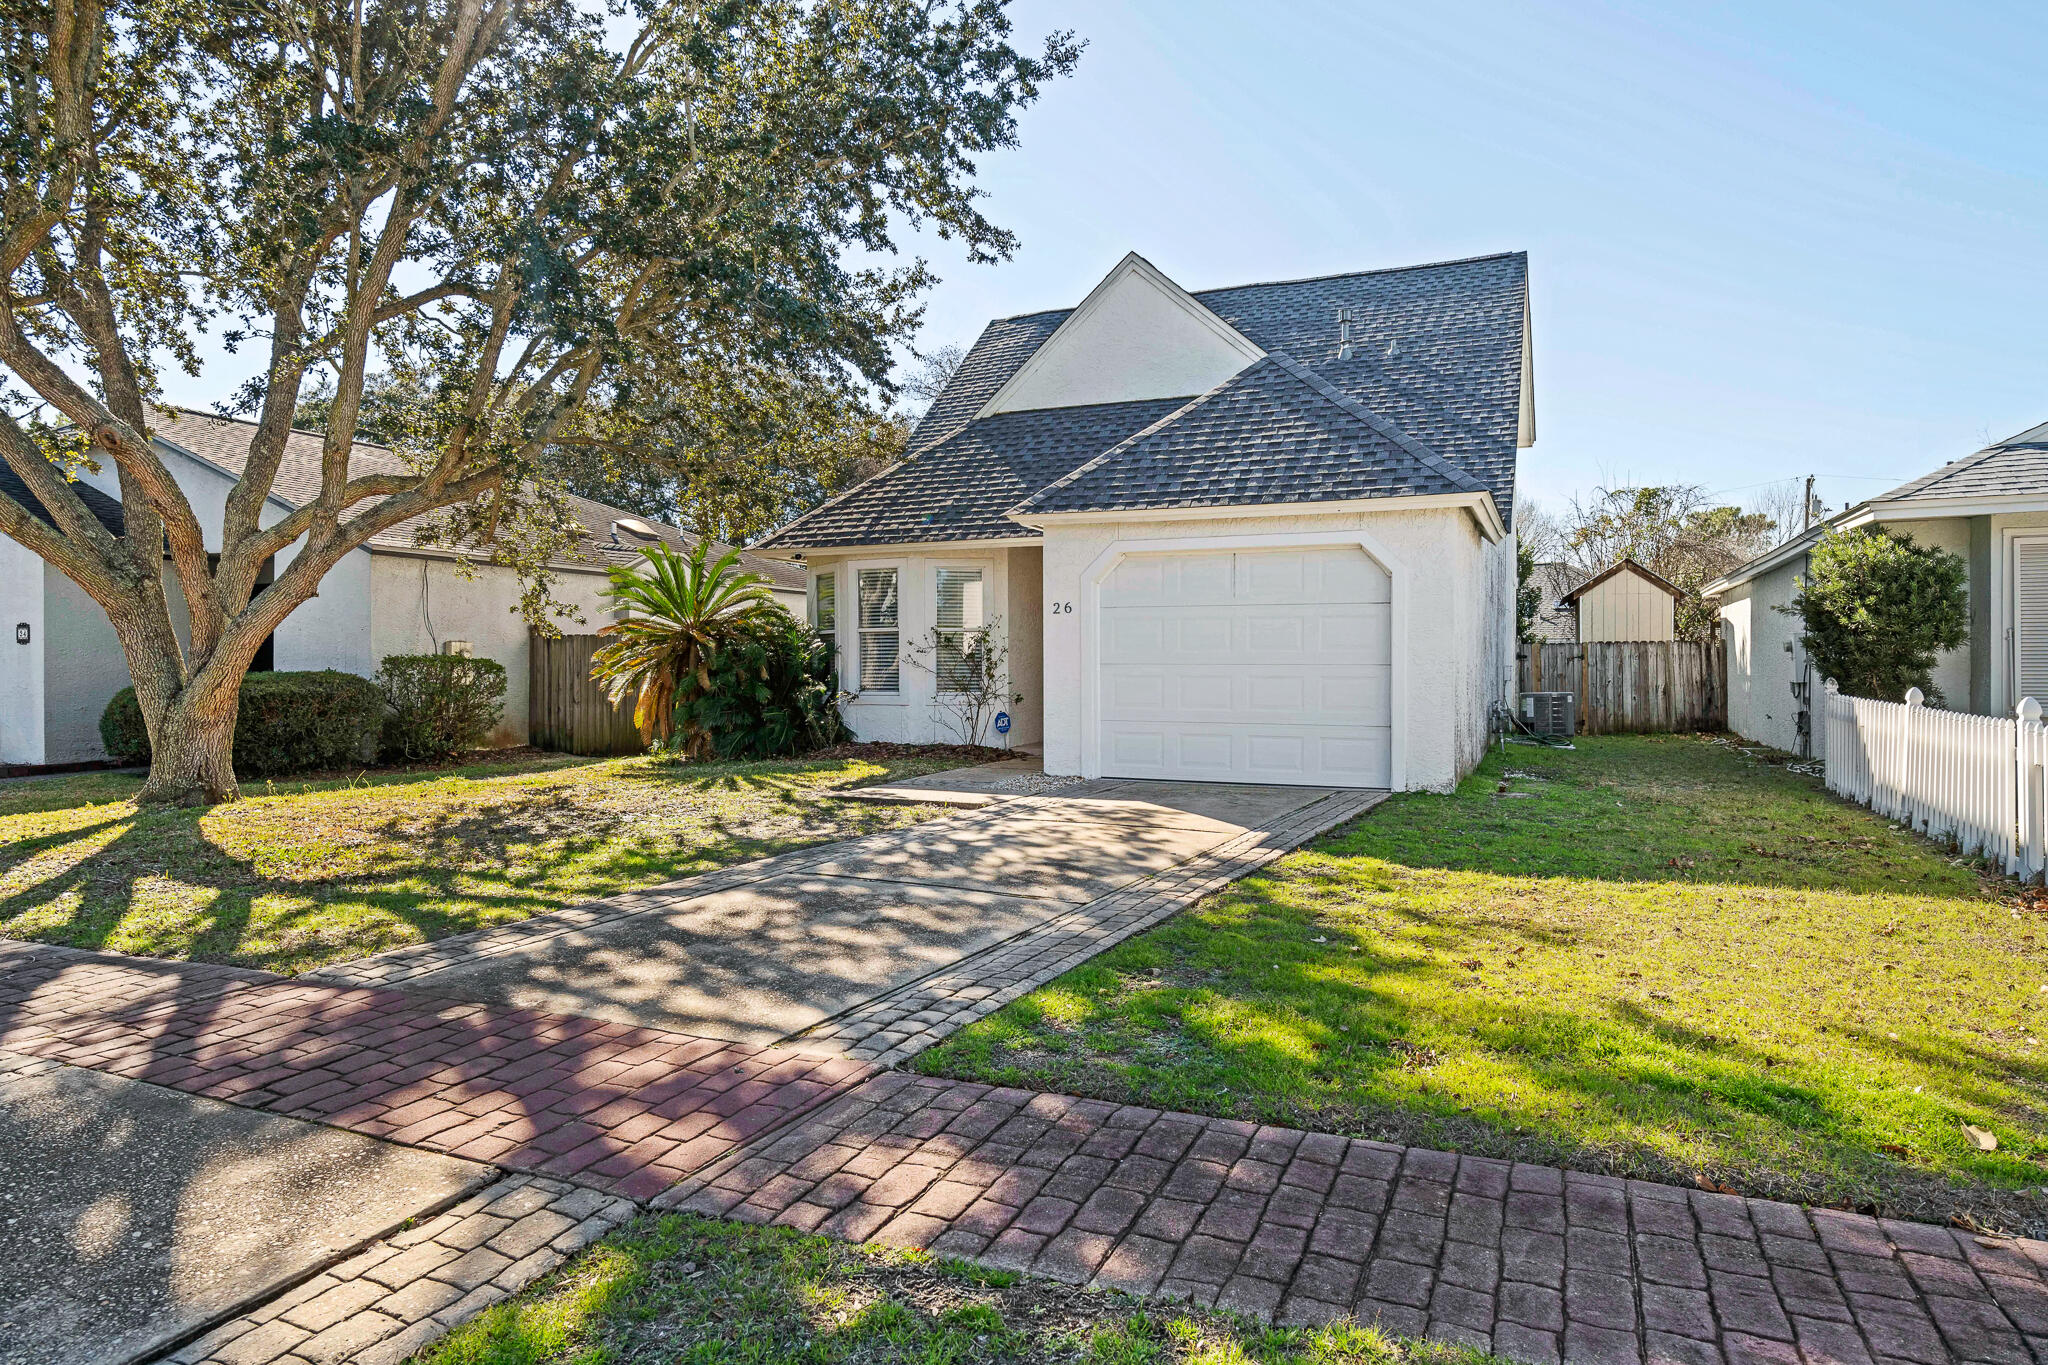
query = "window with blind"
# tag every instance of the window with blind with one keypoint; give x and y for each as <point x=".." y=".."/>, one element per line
<point x="880" y="641"/>
<point x="962" y="630"/>
<point x="2030" y="618"/>
<point x="825" y="606"/>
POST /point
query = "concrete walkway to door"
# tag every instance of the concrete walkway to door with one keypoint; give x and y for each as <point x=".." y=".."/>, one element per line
<point x="874" y="947"/>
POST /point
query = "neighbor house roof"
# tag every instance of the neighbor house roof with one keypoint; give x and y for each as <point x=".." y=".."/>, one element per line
<point x="1611" y="570"/>
<point x="1436" y="352"/>
<point x="107" y="509"/>
<point x="1275" y="432"/>
<point x="1554" y="619"/>
<point x="223" y="442"/>
<point x="2007" y="472"/>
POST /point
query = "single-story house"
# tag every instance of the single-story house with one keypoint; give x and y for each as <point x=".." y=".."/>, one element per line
<point x="1256" y="534"/>
<point x="1624" y="601"/>
<point x="392" y="596"/>
<point x="1992" y="509"/>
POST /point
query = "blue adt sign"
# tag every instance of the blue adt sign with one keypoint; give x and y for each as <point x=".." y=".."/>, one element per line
<point x="1002" y="722"/>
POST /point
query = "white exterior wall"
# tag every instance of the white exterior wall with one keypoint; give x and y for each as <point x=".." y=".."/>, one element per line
<point x="21" y="666"/>
<point x="1627" y="606"/>
<point x="332" y="629"/>
<point x="418" y="602"/>
<point x="912" y="715"/>
<point x="1453" y="624"/>
<point x="84" y="671"/>
<point x="1026" y="617"/>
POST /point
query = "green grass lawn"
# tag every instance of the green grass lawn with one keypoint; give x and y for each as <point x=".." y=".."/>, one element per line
<point x="1654" y="956"/>
<point x="301" y="874"/>
<point x="687" y="1291"/>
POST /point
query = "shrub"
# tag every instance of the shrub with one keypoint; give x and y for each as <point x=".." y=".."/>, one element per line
<point x="285" y="723"/>
<point x="768" y="691"/>
<point x="1877" y="608"/>
<point x="438" y="704"/>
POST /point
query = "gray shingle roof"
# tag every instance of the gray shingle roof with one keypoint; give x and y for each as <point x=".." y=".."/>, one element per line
<point x="1275" y="432"/>
<point x="107" y="509"/>
<point x="961" y="488"/>
<point x="1437" y="353"/>
<point x="2017" y="465"/>
<point x="224" y="442"/>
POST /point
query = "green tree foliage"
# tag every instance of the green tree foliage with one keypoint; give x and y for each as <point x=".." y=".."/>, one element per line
<point x="1674" y="532"/>
<point x="524" y="214"/>
<point x="681" y="608"/>
<point x="437" y="705"/>
<point x="1876" y="608"/>
<point x="1528" y="591"/>
<point x="771" y="691"/>
<point x="728" y="453"/>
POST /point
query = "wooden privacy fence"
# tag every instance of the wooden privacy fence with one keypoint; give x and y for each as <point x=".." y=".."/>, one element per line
<point x="1634" y="686"/>
<point x="565" y="710"/>
<point x="1975" y="779"/>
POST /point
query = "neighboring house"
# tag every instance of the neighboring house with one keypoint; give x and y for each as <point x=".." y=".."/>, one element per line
<point x="1251" y="534"/>
<point x="1624" y="601"/>
<point x="1555" y="622"/>
<point x="1992" y="509"/>
<point x="393" y="596"/>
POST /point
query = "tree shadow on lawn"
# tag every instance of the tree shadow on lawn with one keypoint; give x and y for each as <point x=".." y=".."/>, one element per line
<point x="425" y="877"/>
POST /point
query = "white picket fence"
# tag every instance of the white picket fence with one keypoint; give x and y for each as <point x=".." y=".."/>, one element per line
<point x="1977" y="779"/>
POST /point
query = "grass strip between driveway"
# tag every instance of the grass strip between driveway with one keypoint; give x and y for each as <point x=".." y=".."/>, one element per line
<point x="301" y="874"/>
<point x="1657" y="956"/>
<point x="691" y="1291"/>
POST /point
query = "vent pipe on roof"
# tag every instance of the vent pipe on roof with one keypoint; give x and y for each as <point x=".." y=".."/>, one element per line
<point x="1343" y="334"/>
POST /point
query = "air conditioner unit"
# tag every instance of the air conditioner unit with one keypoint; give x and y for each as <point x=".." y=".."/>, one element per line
<point x="1554" y="714"/>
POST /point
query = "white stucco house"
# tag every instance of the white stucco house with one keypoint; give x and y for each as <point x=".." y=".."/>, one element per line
<point x="1253" y="534"/>
<point x="60" y="662"/>
<point x="1992" y="509"/>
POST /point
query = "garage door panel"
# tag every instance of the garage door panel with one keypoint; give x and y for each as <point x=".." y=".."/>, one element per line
<point x="1162" y="580"/>
<point x="1263" y="666"/>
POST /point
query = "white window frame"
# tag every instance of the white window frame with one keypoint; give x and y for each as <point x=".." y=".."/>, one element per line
<point x="985" y="573"/>
<point x="862" y="693"/>
<point x="2007" y="629"/>
<point x="818" y="579"/>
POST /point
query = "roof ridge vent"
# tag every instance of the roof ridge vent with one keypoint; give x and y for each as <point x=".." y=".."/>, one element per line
<point x="1343" y="333"/>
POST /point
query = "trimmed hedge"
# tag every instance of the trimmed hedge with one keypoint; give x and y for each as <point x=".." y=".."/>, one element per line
<point x="438" y="704"/>
<point x="287" y="723"/>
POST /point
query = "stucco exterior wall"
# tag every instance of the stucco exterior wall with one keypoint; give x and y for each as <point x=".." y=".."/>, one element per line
<point x="1451" y="653"/>
<point x="912" y="714"/>
<point x="419" y="602"/>
<point x="1764" y="658"/>
<point x="21" y="666"/>
<point x="84" y="671"/>
<point x="332" y="629"/>
<point x="1027" y="652"/>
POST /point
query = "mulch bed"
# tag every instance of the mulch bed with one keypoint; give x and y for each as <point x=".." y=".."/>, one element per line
<point x="960" y="755"/>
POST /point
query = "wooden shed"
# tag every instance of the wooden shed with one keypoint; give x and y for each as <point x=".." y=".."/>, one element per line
<point x="1625" y="602"/>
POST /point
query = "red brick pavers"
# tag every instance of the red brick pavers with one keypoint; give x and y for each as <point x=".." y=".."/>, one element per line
<point x="1532" y="1262"/>
<point x="631" y="1110"/>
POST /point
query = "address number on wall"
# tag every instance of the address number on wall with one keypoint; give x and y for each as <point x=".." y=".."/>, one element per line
<point x="1063" y="609"/>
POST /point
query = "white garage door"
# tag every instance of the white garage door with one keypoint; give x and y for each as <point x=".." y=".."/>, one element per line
<point x="1248" y="666"/>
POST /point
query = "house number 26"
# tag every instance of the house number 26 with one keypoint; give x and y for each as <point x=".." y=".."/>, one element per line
<point x="1063" y="609"/>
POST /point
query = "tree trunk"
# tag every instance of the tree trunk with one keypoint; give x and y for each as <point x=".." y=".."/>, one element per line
<point x="192" y="747"/>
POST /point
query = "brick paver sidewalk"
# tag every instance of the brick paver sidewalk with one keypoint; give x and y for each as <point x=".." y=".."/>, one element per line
<point x="1532" y="1262"/>
<point x="631" y="1110"/>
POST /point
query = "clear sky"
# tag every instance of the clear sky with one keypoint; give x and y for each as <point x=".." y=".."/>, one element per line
<point x="1767" y="239"/>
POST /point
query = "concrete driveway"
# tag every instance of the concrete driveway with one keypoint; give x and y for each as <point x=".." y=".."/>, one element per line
<point x="773" y="957"/>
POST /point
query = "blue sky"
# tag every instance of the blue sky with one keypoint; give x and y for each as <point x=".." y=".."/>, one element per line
<point x="1767" y="239"/>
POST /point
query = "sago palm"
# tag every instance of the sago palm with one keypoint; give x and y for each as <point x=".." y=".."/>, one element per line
<point x="677" y="606"/>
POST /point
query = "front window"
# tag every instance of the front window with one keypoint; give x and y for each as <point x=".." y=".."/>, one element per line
<point x="962" y="629"/>
<point x="825" y="606"/>
<point x="879" y="639"/>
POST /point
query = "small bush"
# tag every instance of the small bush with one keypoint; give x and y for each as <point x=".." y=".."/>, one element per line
<point x="438" y="704"/>
<point x="286" y="723"/>
<point x="772" y="692"/>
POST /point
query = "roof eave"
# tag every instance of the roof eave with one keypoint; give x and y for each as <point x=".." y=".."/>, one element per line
<point x="1479" y="504"/>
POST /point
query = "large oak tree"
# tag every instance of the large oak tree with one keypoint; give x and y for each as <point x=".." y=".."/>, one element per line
<point x="525" y="211"/>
